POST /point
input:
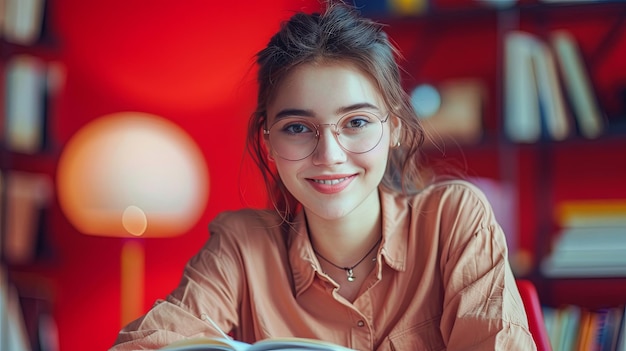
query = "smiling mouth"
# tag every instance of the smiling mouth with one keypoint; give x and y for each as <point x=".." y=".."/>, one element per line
<point x="329" y="181"/>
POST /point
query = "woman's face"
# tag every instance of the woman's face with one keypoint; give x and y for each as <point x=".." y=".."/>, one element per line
<point x="332" y="182"/>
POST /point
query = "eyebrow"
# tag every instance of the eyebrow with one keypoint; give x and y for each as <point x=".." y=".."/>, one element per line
<point x="340" y="111"/>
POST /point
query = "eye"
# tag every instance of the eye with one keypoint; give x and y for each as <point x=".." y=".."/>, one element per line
<point x="296" y="127"/>
<point x="355" y="123"/>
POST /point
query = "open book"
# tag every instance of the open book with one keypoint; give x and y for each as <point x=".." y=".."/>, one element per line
<point x="224" y="344"/>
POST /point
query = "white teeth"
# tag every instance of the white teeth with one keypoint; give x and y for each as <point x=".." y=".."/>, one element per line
<point x="329" y="181"/>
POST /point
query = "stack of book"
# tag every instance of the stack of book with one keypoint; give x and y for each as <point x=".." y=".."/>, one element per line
<point x="592" y="241"/>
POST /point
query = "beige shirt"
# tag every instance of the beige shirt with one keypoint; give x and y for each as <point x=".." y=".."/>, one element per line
<point x="442" y="281"/>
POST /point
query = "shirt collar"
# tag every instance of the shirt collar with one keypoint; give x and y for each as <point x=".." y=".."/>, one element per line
<point x="395" y="227"/>
<point x="395" y="208"/>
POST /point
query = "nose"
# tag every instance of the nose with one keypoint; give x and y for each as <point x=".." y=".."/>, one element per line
<point x="328" y="150"/>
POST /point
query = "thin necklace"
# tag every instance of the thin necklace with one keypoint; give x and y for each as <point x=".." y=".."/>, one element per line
<point x="348" y="270"/>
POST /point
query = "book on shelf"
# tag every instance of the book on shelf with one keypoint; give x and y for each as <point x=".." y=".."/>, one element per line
<point x="548" y="89"/>
<point x="620" y="338"/>
<point x="22" y="21"/>
<point x="25" y="104"/>
<point x="590" y="251"/>
<point x="553" y="113"/>
<point x="521" y="118"/>
<point x="591" y="213"/>
<point x="581" y="94"/>
<point x="226" y="344"/>
<point x="535" y="105"/>
<point x="610" y="329"/>
<point x="562" y="325"/>
<point x="25" y="196"/>
<point x="570" y="319"/>
<point x="13" y="329"/>
<point x="574" y="328"/>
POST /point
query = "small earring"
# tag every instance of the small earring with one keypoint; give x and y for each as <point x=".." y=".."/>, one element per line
<point x="396" y="145"/>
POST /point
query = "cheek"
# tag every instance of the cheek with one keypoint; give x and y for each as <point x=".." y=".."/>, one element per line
<point x="375" y="161"/>
<point x="380" y="156"/>
<point x="382" y="149"/>
<point x="287" y="170"/>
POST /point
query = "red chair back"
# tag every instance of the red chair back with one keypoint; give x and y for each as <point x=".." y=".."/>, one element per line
<point x="537" y="326"/>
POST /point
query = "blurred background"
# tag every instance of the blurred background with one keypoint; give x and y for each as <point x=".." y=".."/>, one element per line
<point x="123" y="128"/>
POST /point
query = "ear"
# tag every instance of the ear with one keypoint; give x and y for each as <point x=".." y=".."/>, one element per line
<point x="396" y="131"/>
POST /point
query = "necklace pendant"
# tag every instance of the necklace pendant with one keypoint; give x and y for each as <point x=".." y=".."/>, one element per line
<point x="350" y="274"/>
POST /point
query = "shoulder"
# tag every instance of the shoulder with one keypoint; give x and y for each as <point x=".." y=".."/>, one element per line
<point x="448" y="196"/>
<point x="247" y="227"/>
<point x="451" y="192"/>
<point x="443" y="204"/>
<point x="246" y="219"/>
<point x="457" y="190"/>
<point x="455" y="202"/>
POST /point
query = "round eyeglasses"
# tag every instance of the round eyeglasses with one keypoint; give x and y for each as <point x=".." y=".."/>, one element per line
<point x="296" y="138"/>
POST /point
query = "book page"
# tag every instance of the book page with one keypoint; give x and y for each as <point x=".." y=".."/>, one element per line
<point x="296" y="344"/>
<point x="222" y="344"/>
<point x="207" y="344"/>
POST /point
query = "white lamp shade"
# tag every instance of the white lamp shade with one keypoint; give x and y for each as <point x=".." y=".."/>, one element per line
<point x="132" y="173"/>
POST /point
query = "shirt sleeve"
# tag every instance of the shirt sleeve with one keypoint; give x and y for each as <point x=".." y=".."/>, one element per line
<point x="209" y="289"/>
<point x="482" y="306"/>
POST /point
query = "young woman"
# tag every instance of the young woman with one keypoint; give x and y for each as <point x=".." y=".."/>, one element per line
<point x="360" y="249"/>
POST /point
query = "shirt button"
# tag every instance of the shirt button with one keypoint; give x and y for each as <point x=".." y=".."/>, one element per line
<point x="360" y="323"/>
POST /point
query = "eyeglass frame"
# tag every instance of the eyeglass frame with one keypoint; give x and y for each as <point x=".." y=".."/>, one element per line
<point x="336" y="133"/>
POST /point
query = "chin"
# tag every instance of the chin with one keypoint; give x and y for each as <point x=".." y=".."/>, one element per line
<point x="329" y="212"/>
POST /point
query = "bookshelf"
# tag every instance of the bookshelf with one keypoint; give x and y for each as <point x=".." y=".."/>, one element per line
<point x="456" y="40"/>
<point x="29" y="74"/>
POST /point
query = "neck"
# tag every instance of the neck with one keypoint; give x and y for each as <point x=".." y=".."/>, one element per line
<point x="344" y="241"/>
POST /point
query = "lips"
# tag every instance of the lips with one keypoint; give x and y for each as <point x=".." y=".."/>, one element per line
<point x="331" y="184"/>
